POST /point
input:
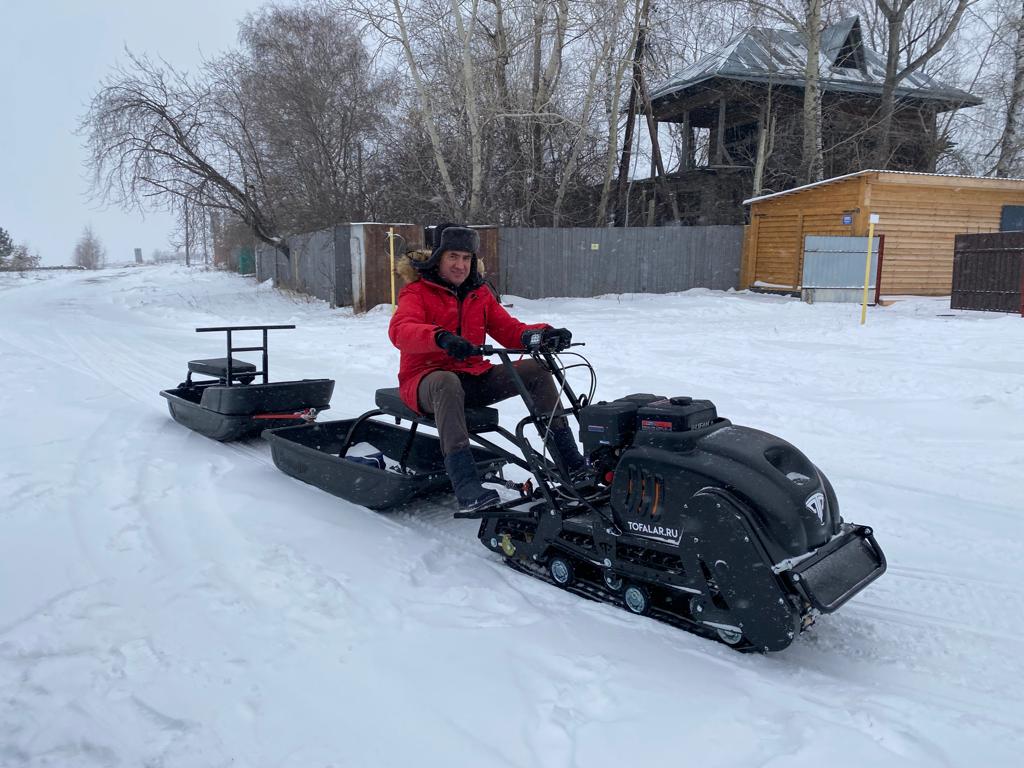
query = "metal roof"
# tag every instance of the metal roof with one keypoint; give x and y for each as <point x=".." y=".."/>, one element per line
<point x="777" y="57"/>
<point x="844" y="177"/>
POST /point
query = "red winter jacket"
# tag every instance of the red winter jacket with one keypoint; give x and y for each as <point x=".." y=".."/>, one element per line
<point x="426" y="307"/>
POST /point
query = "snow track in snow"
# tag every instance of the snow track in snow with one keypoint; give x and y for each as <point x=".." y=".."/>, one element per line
<point x="174" y="601"/>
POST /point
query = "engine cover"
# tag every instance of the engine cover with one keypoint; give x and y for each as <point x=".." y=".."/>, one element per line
<point x="791" y="504"/>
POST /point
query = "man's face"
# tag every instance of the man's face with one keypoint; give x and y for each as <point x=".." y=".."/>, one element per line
<point x="455" y="266"/>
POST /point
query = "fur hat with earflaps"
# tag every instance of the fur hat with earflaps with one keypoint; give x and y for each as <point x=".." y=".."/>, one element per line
<point x="409" y="266"/>
<point x="445" y="237"/>
<point x="450" y="237"/>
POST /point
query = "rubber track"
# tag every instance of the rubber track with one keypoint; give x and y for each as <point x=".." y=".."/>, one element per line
<point x="591" y="591"/>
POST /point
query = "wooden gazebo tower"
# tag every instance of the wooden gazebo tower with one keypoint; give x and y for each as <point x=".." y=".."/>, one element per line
<point x="740" y="109"/>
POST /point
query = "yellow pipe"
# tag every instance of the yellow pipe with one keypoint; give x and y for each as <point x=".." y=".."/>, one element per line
<point x="391" y="242"/>
<point x="867" y="269"/>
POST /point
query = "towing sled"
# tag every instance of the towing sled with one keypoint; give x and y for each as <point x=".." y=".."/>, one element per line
<point x="410" y="464"/>
<point x="719" y="529"/>
<point x="228" y="405"/>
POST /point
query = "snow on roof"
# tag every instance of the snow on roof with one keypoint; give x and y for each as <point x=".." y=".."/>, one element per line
<point x="834" y="179"/>
<point x="778" y="56"/>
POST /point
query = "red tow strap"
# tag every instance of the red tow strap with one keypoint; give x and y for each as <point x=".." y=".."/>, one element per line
<point x="309" y="414"/>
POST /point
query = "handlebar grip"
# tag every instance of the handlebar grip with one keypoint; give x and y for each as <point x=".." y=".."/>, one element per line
<point x="487" y="349"/>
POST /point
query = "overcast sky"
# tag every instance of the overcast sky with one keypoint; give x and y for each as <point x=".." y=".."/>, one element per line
<point x="53" y="56"/>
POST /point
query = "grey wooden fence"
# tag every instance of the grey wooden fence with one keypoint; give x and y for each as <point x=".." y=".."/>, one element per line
<point x="590" y="262"/>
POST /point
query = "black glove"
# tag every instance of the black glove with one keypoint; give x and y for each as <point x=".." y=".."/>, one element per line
<point x="454" y="345"/>
<point x="550" y="339"/>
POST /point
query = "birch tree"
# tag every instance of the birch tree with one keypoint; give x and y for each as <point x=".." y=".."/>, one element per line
<point x="615" y="74"/>
<point x="544" y="78"/>
<point x="89" y="251"/>
<point x="807" y="20"/>
<point x="1009" y="143"/>
<point x="610" y="22"/>
<point x="464" y="30"/>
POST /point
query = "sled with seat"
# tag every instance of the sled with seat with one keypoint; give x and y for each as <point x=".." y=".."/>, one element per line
<point x="229" y="404"/>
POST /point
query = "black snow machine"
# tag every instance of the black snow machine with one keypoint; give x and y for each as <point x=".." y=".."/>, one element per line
<point x="230" y="406"/>
<point x="722" y="530"/>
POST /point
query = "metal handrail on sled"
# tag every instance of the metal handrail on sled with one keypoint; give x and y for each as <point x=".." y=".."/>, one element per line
<point x="229" y="329"/>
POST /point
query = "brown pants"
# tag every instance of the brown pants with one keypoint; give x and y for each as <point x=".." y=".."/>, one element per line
<point x="446" y="395"/>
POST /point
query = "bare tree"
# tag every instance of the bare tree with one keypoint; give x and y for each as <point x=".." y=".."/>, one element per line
<point x="1009" y="143"/>
<point x="494" y="117"/>
<point x="807" y="18"/>
<point x="156" y="134"/>
<point x="282" y="134"/>
<point x="464" y="29"/>
<point x="904" y="56"/>
<point x="610" y="22"/>
<point x="89" y="251"/>
<point x="615" y="74"/>
<point x="389" y="19"/>
<point x="497" y="34"/>
<point x="316" y="105"/>
<point x="190" y="235"/>
<point x="543" y="81"/>
<point x="621" y="219"/>
<point x="980" y="59"/>
<point x="23" y="257"/>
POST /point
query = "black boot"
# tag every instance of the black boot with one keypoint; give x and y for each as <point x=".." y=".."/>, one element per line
<point x="564" y="444"/>
<point x="470" y="494"/>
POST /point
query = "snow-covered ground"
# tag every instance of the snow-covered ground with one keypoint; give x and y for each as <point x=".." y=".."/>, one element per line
<point x="166" y="600"/>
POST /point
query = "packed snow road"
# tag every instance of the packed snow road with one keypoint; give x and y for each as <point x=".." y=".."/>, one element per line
<point x="168" y="600"/>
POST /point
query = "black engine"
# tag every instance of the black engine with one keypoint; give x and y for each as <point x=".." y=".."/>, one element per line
<point x="657" y="453"/>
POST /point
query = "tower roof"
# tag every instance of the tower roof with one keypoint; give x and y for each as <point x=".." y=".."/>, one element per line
<point x="777" y="57"/>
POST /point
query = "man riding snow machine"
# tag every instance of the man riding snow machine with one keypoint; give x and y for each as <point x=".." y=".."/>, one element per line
<point x="719" y="529"/>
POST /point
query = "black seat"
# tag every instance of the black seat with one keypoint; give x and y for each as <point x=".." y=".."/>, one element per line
<point x="390" y="401"/>
<point x="218" y="367"/>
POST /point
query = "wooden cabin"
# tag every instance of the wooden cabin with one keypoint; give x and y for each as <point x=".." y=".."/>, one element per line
<point x="920" y="215"/>
<point x="739" y="116"/>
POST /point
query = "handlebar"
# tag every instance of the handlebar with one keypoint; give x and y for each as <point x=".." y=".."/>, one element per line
<point x="550" y="360"/>
<point x="487" y="349"/>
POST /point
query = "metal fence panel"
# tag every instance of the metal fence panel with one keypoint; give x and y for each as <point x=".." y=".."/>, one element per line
<point x="312" y="260"/>
<point x="988" y="272"/>
<point x="579" y="262"/>
<point x="533" y="263"/>
<point x="308" y="268"/>
<point x="342" y="267"/>
<point x="838" y="262"/>
<point x="271" y="264"/>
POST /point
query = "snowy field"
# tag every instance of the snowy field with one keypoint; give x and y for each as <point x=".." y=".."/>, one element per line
<point x="166" y="600"/>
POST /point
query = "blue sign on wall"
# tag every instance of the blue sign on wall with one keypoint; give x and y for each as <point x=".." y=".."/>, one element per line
<point x="847" y="218"/>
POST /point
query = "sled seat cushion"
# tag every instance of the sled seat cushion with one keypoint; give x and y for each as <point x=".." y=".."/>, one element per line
<point x="218" y="367"/>
<point x="390" y="401"/>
